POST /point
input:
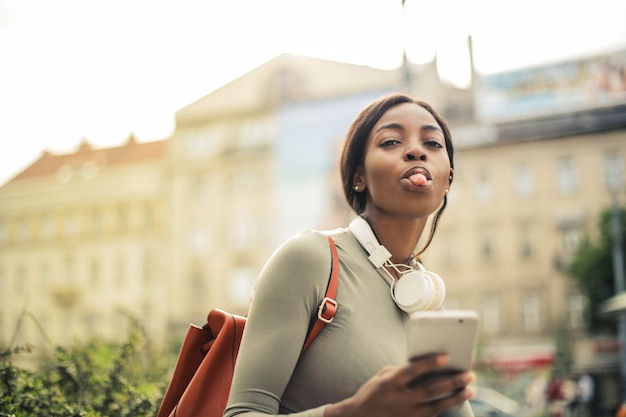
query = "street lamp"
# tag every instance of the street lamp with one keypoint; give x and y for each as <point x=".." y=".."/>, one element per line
<point x="613" y="182"/>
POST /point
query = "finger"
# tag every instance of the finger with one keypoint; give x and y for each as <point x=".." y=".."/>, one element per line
<point x="418" y="367"/>
<point x="436" y="407"/>
<point x="392" y="377"/>
<point x="446" y="386"/>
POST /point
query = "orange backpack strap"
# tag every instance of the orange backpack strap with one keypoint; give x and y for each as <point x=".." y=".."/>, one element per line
<point x="328" y="307"/>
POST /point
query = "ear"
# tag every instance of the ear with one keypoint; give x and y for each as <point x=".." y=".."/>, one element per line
<point x="359" y="179"/>
<point x="451" y="177"/>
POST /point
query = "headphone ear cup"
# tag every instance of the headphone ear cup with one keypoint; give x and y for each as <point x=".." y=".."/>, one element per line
<point x="419" y="290"/>
<point x="439" y="291"/>
<point x="408" y="291"/>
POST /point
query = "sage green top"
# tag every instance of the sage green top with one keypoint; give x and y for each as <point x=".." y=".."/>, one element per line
<point x="368" y="332"/>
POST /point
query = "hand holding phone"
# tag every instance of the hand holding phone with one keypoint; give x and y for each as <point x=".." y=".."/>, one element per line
<point x="451" y="332"/>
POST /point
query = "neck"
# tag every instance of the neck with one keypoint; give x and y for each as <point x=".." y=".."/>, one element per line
<point x="398" y="235"/>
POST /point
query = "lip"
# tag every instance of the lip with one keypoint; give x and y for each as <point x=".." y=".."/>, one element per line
<point x="417" y="169"/>
<point x="409" y="186"/>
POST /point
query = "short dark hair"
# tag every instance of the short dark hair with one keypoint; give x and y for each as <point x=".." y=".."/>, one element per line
<point x="353" y="154"/>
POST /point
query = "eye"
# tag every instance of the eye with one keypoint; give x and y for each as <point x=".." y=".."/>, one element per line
<point x="389" y="142"/>
<point x="433" y="144"/>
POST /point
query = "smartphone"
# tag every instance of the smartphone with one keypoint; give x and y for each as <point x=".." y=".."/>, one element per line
<point x="452" y="332"/>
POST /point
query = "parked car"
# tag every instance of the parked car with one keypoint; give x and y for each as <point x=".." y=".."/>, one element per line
<point x="490" y="403"/>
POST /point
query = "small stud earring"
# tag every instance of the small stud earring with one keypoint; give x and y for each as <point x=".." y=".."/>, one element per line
<point x="447" y="190"/>
<point x="356" y="188"/>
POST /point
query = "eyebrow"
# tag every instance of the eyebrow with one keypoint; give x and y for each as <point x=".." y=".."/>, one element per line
<point x="398" y="126"/>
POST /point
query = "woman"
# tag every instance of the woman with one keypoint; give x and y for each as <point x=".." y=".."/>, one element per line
<point x="396" y="167"/>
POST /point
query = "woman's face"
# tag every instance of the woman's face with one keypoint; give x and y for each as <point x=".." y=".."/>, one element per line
<point x="406" y="170"/>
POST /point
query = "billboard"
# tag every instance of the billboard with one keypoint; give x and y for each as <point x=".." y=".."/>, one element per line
<point x="563" y="87"/>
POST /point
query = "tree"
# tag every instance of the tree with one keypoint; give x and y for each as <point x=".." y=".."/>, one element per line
<point x="94" y="379"/>
<point x="563" y="355"/>
<point x="592" y="269"/>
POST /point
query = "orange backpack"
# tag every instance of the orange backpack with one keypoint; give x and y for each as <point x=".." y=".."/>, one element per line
<point x="201" y="381"/>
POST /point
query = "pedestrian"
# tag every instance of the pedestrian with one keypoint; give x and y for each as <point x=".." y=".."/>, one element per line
<point x="535" y="394"/>
<point x="570" y="397"/>
<point x="585" y="392"/>
<point x="554" y="396"/>
<point x="396" y="170"/>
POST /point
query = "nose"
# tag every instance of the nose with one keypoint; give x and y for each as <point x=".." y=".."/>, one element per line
<point x="414" y="154"/>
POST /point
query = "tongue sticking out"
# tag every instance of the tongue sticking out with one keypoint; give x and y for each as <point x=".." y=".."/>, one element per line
<point x="418" y="180"/>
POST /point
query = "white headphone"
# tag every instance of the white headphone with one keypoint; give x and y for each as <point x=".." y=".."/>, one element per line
<point x="416" y="289"/>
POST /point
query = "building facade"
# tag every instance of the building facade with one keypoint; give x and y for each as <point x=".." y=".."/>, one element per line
<point x="516" y="215"/>
<point x="81" y="245"/>
<point x="171" y="229"/>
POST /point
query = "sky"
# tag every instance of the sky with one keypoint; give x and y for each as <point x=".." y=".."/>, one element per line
<point x="99" y="70"/>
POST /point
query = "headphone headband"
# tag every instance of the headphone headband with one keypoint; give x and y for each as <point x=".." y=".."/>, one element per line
<point x="419" y="289"/>
<point x="361" y="229"/>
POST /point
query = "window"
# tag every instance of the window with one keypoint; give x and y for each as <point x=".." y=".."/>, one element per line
<point x="122" y="219"/>
<point x="47" y="227"/>
<point x="570" y="239"/>
<point x="21" y="279"/>
<point x="200" y="143"/>
<point x="447" y="249"/>
<point x="243" y="182"/>
<point x="453" y="302"/>
<point x="285" y="85"/>
<point x="243" y="231"/>
<point x="149" y="216"/>
<point x="197" y="289"/>
<point x="96" y="222"/>
<point x="89" y="170"/>
<point x="120" y="271"/>
<point x="575" y="310"/>
<point x="4" y="238"/>
<point x="531" y="314"/>
<point x="64" y="174"/>
<point x="23" y="230"/>
<point x="566" y="175"/>
<point x="253" y="134"/>
<point x="241" y="285"/>
<point x="44" y="275"/>
<point x="70" y="270"/>
<point x="198" y="240"/>
<point x="613" y="170"/>
<point x="148" y="267"/>
<point x="71" y="225"/>
<point x="200" y="191"/>
<point x="486" y="249"/>
<point x="92" y="323"/>
<point x="491" y="314"/>
<point x="525" y="248"/>
<point x="94" y="273"/>
<point x="484" y="189"/>
<point x="523" y="181"/>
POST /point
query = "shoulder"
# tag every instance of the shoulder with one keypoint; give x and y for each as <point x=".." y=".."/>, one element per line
<point x="300" y="266"/>
<point x="308" y="248"/>
<point x="305" y="255"/>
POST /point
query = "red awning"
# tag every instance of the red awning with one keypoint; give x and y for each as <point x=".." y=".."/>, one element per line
<point x="519" y="364"/>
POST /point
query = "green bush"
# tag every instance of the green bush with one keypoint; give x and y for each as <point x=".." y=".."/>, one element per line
<point x="93" y="379"/>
